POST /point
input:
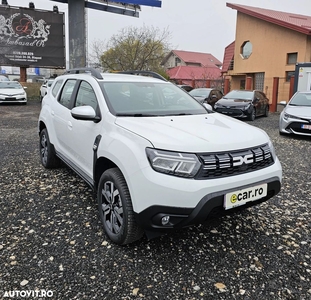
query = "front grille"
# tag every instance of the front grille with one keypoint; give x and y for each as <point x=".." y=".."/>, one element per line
<point x="224" y="164"/>
<point x="230" y="111"/>
<point x="296" y="126"/>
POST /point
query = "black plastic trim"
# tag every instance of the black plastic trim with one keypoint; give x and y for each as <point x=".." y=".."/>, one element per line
<point x="77" y="170"/>
<point x="210" y="205"/>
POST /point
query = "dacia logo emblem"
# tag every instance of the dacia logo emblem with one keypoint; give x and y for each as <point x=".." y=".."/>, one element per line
<point x="240" y="160"/>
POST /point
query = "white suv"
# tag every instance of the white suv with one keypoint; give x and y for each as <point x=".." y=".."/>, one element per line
<point x="157" y="159"/>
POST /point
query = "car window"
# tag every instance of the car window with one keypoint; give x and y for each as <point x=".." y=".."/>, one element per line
<point x="86" y="96"/>
<point x="10" y="85"/>
<point x="200" y="92"/>
<point x="246" y="95"/>
<point x="66" y="93"/>
<point x="49" y="83"/>
<point x="149" y="98"/>
<point x="56" y="87"/>
<point x="301" y="99"/>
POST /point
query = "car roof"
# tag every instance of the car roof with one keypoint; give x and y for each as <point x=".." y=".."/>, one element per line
<point x="117" y="77"/>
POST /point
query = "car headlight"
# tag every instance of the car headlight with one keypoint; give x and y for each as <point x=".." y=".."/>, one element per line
<point x="216" y="105"/>
<point x="288" y="116"/>
<point x="272" y="149"/>
<point x="247" y="106"/>
<point x="173" y="163"/>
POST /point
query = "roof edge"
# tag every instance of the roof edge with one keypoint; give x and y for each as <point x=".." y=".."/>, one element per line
<point x="246" y="11"/>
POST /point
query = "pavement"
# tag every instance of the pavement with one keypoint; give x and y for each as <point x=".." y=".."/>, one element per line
<point x="52" y="245"/>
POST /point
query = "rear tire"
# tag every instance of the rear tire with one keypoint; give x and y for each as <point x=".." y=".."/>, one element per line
<point x="266" y="111"/>
<point x="115" y="208"/>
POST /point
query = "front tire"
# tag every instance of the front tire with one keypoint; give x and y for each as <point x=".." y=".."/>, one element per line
<point x="115" y="208"/>
<point x="47" y="153"/>
<point x="252" y="116"/>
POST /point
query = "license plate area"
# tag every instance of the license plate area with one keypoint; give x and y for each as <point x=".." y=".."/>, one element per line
<point x="306" y="126"/>
<point x="241" y="197"/>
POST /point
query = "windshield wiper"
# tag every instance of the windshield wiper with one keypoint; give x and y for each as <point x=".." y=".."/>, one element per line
<point x="177" y="114"/>
<point x="135" y="115"/>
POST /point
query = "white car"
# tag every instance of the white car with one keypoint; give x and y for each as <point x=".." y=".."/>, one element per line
<point x="295" y="118"/>
<point x="12" y="92"/>
<point x="44" y="87"/>
<point x="156" y="163"/>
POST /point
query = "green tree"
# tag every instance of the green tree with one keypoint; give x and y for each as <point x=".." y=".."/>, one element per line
<point x="136" y="49"/>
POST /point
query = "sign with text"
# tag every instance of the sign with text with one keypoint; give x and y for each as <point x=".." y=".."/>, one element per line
<point x="31" y="38"/>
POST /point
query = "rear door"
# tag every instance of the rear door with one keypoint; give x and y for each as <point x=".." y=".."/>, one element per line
<point x="61" y="117"/>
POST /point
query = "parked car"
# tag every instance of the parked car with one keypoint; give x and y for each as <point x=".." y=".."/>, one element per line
<point x="206" y="95"/>
<point x="44" y="87"/>
<point x="4" y="78"/>
<point x="186" y="87"/>
<point x="12" y="92"/>
<point x="295" y="118"/>
<point x="155" y="165"/>
<point x="243" y="104"/>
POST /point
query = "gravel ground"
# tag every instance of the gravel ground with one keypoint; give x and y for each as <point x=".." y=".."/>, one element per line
<point x="52" y="240"/>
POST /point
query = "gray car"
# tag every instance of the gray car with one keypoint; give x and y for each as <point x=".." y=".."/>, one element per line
<point x="296" y="115"/>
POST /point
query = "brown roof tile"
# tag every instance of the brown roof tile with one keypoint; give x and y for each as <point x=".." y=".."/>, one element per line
<point x="205" y="59"/>
<point x="300" y="23"/>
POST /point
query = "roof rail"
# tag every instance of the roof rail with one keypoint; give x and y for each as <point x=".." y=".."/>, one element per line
<point x="91" y="71"/>
<point x="144" y="73"/>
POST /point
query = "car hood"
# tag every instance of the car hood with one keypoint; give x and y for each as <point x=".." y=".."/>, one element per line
<point x="195" y="133"/>
<point x="233" y="102"/>
<point x="11" y="91"/>
<point x="299" y="111"/>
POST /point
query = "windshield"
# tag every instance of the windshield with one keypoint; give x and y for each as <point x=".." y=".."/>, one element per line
<point x="301" y="99"/>
<point x="200" y="93"/>
<point x="49" y="83"/>
<point x="10" y="85"/>
<point x="149" y="99"/>
<point x="245" y="95"/>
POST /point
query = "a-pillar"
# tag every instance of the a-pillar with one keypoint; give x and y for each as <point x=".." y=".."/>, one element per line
<point x="77" y="34"/>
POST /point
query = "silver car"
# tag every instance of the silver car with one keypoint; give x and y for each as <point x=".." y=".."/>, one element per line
<point x="296" y="115"/>
<point x="12" y="92"/>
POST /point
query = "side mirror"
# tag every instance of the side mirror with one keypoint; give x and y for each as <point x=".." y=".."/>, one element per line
<point x="207" y="106"/>
<point x="86" y="113"/>
<point x="283" y="102"/>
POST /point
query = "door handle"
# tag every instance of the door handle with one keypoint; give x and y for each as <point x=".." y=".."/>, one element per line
<point x="69" y="124"/>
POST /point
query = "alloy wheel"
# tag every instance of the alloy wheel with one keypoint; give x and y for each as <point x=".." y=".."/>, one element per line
<point x="112" y="207"/>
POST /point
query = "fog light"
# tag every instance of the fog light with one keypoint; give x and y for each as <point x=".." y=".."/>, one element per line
<point x="165" y="220"/>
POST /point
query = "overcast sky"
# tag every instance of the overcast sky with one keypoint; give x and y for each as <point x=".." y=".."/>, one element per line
<point x="197" y="25"/>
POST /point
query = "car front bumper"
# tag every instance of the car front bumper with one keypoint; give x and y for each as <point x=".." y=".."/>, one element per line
<point x="188" y="201"/>
<point x="234" y="112"/>
<point x="211" y="205"/>
<point x="294" y="126"/>
<point x="13" y="99"/>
